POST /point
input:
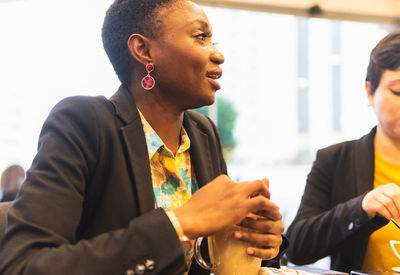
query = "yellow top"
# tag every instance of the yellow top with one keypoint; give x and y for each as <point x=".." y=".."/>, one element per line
<point x="383" y="251"/>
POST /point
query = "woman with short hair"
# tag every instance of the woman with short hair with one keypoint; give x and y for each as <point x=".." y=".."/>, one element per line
<point x="123" y="185"/>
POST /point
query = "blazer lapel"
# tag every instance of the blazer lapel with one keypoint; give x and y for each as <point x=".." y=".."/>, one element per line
<point x="135" y="145"/>
<point x="365" y="162"/>
<point x="199" y="151"/>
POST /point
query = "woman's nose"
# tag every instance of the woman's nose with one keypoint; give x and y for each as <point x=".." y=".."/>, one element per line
<point x="217" y="57"/>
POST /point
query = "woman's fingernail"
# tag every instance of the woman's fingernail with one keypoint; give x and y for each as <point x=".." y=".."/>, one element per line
<point x="250" y="251"/>
<point x="238" y="235"/>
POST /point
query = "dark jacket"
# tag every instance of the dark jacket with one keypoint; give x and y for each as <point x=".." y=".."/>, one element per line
<point x="330" y="220"/>
<point x="87" y="205"/>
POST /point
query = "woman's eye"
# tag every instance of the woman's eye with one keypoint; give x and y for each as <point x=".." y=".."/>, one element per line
<point x="202" y="37"/>
<point x="397" y="93"/>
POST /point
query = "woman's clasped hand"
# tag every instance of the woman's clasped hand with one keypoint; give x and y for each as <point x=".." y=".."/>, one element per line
<point x="223" y="203"/>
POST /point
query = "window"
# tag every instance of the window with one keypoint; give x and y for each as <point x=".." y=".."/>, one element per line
<point x="297" y="85"/>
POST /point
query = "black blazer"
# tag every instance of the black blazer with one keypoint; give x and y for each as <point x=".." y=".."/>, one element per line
<point x="87" y="205"/>
<point x="330" y="220"/>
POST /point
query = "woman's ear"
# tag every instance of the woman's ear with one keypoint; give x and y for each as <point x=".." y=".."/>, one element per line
<point x="369" y="95"/>
<point x="139" y="47"/>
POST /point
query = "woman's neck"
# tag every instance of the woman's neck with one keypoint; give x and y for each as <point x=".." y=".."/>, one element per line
<point x="387" y="147"/>
<point x="163" y="118"/>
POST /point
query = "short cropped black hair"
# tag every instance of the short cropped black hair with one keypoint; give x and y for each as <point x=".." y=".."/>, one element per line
<point x="123" y="18"/>
<point x="385" y="56"/>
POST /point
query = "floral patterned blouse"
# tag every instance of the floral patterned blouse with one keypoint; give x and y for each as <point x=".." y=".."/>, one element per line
<point x="173" y="177"/>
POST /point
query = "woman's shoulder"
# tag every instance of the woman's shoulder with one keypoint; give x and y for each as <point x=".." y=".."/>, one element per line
<point x="363" y="143"/>
<point x="79" y="101"/>
<point x="82" y="106"/>
<point x="339" y="146"/>
<point x="80" y="112"/>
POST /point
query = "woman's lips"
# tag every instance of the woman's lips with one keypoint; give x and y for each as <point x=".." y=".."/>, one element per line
<point x="212" y="77"/>
<point x="214" y="83"/>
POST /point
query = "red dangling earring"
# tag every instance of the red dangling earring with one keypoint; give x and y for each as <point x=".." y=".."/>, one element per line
<point x="148" y="81"/>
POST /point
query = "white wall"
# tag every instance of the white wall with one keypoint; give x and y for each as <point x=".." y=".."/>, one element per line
<point x="48" y="50"/>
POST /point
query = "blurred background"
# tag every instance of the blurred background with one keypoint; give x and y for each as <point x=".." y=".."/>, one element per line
<point x="293" y="78"/>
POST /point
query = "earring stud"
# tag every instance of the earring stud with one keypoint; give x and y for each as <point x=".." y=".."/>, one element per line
<point x="148" y="81"/>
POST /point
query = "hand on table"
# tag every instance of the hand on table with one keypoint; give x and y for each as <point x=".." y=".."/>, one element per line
<point x="223" y="203"/>
<point x="384" y="200"/>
